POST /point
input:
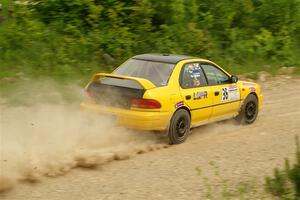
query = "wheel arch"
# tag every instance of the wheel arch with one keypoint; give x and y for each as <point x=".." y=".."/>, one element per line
<point x="183" y="108"/>
<point x="253" y="93"/>
<point x="243" y="100"/>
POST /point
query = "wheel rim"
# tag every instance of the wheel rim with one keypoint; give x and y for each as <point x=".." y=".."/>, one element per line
<point x="250" y="110"/>
<point x="181" y="127"/>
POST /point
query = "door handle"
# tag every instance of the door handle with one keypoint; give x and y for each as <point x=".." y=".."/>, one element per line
<point x="217" y="93"/>
<point x="188" y="97"/>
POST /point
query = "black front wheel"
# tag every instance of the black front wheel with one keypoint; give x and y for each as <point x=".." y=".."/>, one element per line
<point x="249" y="110"/>
<point x="179" y="127"/>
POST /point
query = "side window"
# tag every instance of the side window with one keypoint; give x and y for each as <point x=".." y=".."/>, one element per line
<point x="192" y="76"/>
<point x="214" y="75"/>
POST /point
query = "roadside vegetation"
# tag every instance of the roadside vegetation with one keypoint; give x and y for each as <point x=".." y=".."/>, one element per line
<point x="285" y="183"/>
<point x="72" y="39"/>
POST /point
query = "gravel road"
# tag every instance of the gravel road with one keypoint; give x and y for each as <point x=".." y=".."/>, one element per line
<point x="215" y="158"/>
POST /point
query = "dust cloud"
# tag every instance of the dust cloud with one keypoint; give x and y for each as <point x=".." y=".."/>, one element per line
<point x="47" y="136"/>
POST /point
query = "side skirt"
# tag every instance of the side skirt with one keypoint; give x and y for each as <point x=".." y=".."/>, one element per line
<point x="214" y="120"/>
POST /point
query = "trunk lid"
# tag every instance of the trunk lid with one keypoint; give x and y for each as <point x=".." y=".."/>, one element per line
<point x="117" y="91"/>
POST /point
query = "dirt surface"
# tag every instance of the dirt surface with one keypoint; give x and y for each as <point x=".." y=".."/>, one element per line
<point x="215" y="158"/>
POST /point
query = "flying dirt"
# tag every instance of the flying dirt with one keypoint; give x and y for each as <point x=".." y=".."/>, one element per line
<point x="51" y="140"/>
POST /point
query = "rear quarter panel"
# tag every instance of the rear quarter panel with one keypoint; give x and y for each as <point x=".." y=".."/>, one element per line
<point x="167" y="96"/>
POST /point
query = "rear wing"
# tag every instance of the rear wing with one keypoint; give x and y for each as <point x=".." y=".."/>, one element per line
<point x="146" y="84"/>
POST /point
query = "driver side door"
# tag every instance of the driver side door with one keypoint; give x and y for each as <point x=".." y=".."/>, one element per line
<point x="226" y="95"/>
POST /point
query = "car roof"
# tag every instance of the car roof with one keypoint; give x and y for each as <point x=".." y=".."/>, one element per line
<point x="165" y="58"/>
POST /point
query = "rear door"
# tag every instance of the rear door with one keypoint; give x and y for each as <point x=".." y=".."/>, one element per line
<point x="226" y="95"/>
<point x="195" y="92"/>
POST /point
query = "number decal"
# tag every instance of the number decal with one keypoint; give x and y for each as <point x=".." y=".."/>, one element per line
<point x="230" y="93"/>
<point x="224" y="93"/>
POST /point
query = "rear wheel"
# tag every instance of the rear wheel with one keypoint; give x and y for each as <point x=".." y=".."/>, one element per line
<point x="249" y="110"/>
<point x="179" y="127"/>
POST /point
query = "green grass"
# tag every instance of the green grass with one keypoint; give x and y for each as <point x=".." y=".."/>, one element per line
<point x="215" y="186"/>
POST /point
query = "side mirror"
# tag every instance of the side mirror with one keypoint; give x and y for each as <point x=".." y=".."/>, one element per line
<point x="234" y="79"/>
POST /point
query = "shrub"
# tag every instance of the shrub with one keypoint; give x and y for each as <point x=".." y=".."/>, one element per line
<point x="286" y="183"/>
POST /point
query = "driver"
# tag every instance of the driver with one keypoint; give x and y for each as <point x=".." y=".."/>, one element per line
<point x="192" y="75"/>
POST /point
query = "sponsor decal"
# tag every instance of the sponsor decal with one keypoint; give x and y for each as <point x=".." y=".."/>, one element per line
<point x="232" y="88"/>
<point x="230" y="93"/>
<point x="180" y="103"/>
<point x="252" y="89"/>
<point x="200" y="95"/>
<point x="249" y="84"/>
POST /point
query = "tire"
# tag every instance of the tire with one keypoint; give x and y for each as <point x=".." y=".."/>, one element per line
<point x="249" y="110"/>
<point x="179" y="128"/>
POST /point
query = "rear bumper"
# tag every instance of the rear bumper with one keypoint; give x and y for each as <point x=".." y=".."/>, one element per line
<point x="141" y="120"/>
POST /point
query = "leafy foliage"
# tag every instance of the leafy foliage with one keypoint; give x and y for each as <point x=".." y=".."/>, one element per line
<point x="65" y="35"/>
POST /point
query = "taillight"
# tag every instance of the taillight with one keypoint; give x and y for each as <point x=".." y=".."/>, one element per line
<point x="89" y="96"/>
<point x="145" y="103"/>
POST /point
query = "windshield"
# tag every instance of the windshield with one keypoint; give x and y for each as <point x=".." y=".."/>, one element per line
<point x="156" y="72"/>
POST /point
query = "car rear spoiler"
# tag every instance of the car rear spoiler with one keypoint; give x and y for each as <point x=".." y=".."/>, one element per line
<point x="146" y="84"/>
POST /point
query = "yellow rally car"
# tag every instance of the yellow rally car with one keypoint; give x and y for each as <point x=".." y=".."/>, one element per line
<point x="172" y="93"/>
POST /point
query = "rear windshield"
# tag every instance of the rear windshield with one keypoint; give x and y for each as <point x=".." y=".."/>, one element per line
<point x="156" y="72"/>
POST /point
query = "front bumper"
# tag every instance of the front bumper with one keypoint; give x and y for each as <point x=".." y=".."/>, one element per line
<point x="135" y="119"/>
<point x="260" y="101"/>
